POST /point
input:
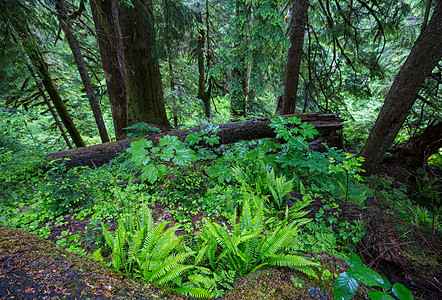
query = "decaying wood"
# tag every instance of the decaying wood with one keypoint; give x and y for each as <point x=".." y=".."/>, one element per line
<point x="415" y="153"/>
<point x="329" y="127"/>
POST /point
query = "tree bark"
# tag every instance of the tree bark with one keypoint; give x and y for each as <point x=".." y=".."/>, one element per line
<point x="328" y="125"/>
<point x="203" y="93"/>
<point x="66" y="26"/>
<point x="238" y="92"/>
<point x="298" y="23"/>
<point x="415" y="153"/>
<point x="424" y="56"/>
<point x="108" y="33"/>
<point x="144" y="89"/>
<point x="38" y="61"/>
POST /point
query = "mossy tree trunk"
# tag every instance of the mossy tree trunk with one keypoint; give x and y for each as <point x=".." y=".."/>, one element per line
<point x="298" y="23"/>
<point x="204" y="93"/>
<point x="328" y="125"/>
<point x="144" y="89"/>
<point x="106" y="20"/>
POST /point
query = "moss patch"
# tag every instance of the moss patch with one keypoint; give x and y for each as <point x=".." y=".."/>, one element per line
<point x="284" y="284"/>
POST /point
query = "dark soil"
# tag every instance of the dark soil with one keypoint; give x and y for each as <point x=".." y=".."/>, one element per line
<point x="33" y="268"/>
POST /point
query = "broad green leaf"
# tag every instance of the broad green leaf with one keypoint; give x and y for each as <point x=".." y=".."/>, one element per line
<point x="277" y="122"/>
<point x="139" y="152"/>
<point x="401" y="292"/>
<point x="151" y="172"/>
<point x="170" y="141"/>
<point x="379" y="296"/>
<point x="294" y="121"/>
<point x="184" y="156"/>
<point x="140" y="157"/>
<point x="136" y="145"/>
<point x="369" y="277"/>
<point x="193" y="138"/>
<point x="355" y="260"/>
<point x="167" y="154"/>
<point x="345" y="287"/>
<point x="308" y="130"/>
<point x="161" y="170"/>
<point x="212" y="140"/>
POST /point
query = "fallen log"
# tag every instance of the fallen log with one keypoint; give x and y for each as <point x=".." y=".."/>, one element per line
<point x="329" y="127"/>
<point x="414" y="154"/>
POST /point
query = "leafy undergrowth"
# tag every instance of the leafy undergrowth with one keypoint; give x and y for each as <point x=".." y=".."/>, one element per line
<point x="257" y="220"/>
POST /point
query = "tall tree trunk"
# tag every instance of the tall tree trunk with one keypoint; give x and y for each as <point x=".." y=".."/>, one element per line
<point x="144" y="89"/>
<point x="239" y="72"/>
<point x="105" y="14"/>
<point x="298" y="23"/>
<point x="203" y="94"/>
<point x="423" y="58"/>
<point x="66" y="26"/>
<point x="38" y="62"/>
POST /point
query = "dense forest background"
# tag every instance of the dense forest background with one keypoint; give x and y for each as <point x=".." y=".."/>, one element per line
<point x="81" y="73"/>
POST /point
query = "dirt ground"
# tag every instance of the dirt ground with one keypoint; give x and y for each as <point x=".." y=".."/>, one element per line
<point x="33" y="268"/>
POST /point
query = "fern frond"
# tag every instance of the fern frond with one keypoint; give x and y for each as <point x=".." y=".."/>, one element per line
<point x="170" y="263"/>
<point x="135" y="244"/>
<point x="173" y="273"/>
<point x="291" y="261"/>
<point x="246" y="216"/>
<point x="307" y="271"/>
<point x="194" y="292"/>
<point x="280" y="238"/>
<point x="147" y="219"/>
<point x="108" y="236"/>
<point x="201" y="253"/>
<point x="152" y="236"/>
<point x="203" y="281"/>
<point x="164" y="247"/>
<point x="211" y="251"/>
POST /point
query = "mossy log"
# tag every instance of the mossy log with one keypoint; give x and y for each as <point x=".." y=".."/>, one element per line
<point x="329" y="127"/>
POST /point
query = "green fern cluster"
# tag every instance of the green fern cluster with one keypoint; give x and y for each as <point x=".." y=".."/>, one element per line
<point x="248" y="247"/>
<point x="258" y="182"/>
<point x="151" y="251"/>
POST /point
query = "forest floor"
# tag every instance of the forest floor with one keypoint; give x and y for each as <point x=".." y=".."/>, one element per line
<point x="35" y="268"/>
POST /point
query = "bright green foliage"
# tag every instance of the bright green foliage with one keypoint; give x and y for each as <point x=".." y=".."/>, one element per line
<point x="345" y="286"/>
<point x="153" y="162"/>
<point x="295" y="137"/>
<point x="64" y="190"/>
<point x="146" y="248"/>
<point x="326" y="233"/>
<point x="208" y="283"/>
<point x="208" y="135"/>
<point x="141" y="129"/>
<point x="260" y="184"/>
<point x="347" y="283"/>
<point x="70" y="242"/>
<point x="247" y="246"/>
